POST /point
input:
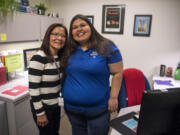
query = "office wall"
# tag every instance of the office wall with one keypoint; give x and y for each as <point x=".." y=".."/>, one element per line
<point x="145" y="53"/>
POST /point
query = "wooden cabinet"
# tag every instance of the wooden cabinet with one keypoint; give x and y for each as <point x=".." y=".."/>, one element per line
<point x="25" y="27"/>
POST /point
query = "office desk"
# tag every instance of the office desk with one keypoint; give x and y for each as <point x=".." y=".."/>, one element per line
<point x="123" y="112"/>
<point x="175" y="83"/>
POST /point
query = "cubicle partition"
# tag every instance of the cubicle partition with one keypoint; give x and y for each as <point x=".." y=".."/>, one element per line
<point x="3" y="119"/>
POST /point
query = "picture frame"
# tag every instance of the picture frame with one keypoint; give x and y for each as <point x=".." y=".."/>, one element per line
<point x="90" y="18"/>
<point x="113" y="19"/>
<point x="28" y="53"/>
<point x="142" y="25"/>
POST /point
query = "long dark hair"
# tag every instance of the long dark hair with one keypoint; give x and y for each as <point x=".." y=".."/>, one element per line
<point x="45" y="44"/>
<point x="97" y="42"/>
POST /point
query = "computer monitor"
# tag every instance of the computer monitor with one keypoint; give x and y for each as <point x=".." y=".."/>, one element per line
<point x="160" y="113"/>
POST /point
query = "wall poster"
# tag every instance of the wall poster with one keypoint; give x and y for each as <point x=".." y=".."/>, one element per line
<point x="113" y="19"/>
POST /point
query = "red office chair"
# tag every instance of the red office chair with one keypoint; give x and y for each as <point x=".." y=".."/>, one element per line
<point x="133" y="84"/>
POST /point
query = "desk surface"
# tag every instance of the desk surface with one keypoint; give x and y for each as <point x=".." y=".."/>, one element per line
<point x="123" y="112"/>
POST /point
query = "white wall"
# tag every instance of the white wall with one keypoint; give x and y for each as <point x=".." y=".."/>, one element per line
<point x="145" y="53"/>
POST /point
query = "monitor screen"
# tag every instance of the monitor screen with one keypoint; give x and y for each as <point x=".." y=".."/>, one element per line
<point x="160" y="113"/>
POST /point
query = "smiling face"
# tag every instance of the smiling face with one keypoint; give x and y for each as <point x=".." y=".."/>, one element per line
<point x="57" y="39"/>
<point x="81" y="31"/>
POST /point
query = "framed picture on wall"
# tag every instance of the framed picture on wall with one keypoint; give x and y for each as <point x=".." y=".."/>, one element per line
<point x="28" y="53"/>
<point x="90" y="18"/>
<point x="113" y="19"/>
<point x="142" y="25"/>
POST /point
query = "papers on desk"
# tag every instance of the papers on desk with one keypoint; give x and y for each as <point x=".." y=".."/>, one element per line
<point x="163" y="82"/>
<point x="15" y="91"/>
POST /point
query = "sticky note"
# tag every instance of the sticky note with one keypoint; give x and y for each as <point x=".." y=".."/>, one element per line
<point x="3" y="37"/>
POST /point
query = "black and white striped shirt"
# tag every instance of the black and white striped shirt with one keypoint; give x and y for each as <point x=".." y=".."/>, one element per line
<point x="44" y="82"/>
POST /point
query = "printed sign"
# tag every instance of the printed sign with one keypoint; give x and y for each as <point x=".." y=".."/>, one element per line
<point x="13" y="62"/>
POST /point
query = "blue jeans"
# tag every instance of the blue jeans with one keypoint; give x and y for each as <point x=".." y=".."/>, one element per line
<point x="89" y="122"/>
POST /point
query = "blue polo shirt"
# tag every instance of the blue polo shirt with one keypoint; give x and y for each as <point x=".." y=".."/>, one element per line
<point x="87" y="79"/>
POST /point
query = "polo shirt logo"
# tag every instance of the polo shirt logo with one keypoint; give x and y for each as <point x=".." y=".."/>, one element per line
<point x="94" y="54"/>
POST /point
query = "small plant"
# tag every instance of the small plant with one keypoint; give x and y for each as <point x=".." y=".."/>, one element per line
<point x="41" y="8"/>
<point x="7" y="6"/>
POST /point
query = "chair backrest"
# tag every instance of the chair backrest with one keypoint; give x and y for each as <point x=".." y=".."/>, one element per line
<point x="133" y="84"/>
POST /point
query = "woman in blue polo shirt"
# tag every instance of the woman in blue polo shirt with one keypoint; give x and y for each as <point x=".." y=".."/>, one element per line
<point x="90" y="59"/>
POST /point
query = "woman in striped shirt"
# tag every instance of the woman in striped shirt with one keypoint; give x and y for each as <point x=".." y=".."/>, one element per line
<point x="45" y="80"/>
